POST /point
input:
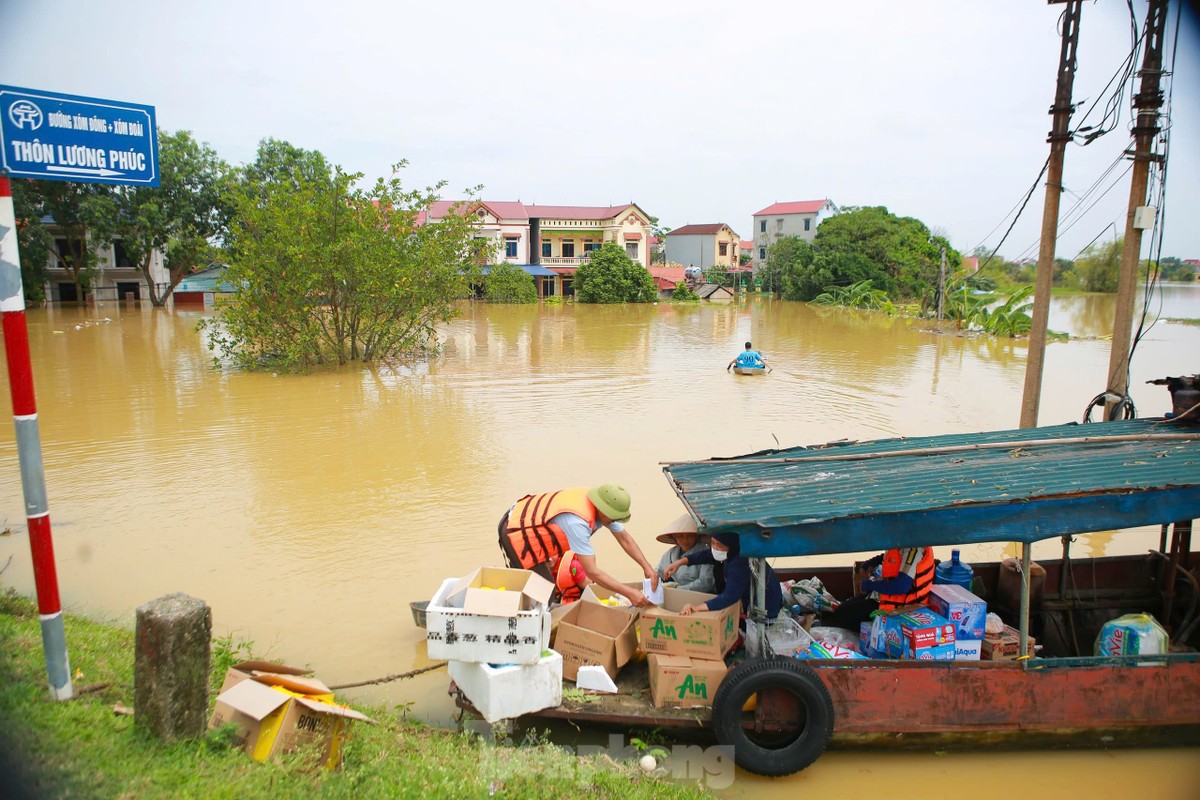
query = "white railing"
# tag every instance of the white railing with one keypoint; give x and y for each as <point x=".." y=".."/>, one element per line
<point x="560" y="261"/>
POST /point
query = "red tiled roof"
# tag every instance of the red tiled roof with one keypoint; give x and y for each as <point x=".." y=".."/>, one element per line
<point x="698" y="230"/>
<point x="747" y="244"/>
<point x="797" y="207"/>
<point x="675" y="274"/>
<point x="576" y="212"/>
<point x="501" y="209"/>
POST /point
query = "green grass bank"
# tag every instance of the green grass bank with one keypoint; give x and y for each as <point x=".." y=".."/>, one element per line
<point x="82" y="748"/>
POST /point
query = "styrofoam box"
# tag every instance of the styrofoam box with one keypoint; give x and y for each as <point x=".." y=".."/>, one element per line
<point x="504" y="692"/>
<point x="967" y="649"/>
<point x="453" y="634"/>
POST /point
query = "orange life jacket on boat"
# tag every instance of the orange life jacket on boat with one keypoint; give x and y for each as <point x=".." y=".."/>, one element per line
<point x="534" y="539"/>
<point x="922" y="580"/>
<point x="568" y="577"/>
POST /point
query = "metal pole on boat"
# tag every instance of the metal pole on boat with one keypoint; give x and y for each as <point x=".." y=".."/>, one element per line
<point x="1026" y="561"/>
<point x="29" y="451"/>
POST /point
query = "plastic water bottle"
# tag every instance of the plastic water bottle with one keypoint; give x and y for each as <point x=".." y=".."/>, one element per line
<point x="954" y="571"/>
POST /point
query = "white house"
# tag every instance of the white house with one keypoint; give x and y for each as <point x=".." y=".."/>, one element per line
<point x="116" y="277"/>
<point x="704" y="246"/>
<point x="799" y="218"/>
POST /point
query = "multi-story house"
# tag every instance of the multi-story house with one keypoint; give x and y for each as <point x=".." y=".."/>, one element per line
<point x="115" y="277"/>
<point x="704" y="246"/>
<point x="799" y="218"/>
<point x="551" y="242"/>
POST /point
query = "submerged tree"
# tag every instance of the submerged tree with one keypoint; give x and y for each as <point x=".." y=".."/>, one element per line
<point x="508" y="283"/>
<point x="327" y="272"/>
<point x="1099" y="268"/>
<point x="611" y="276"/>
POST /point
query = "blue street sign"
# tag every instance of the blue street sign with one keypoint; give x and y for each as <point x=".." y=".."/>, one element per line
<point x="63" y="137"/>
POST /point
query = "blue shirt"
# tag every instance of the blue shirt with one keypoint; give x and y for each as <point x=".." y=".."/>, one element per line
<point x="749" y="358"/>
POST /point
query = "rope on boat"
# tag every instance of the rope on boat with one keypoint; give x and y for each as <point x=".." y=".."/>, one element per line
<point x="390" y="678"/>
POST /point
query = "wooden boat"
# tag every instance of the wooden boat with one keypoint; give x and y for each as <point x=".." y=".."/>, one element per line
<point x="1017" y="486"/>
<point x="749" y="370"/>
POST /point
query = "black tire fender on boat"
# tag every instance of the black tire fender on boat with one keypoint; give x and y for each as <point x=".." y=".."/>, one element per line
<point x="782" y="757"/>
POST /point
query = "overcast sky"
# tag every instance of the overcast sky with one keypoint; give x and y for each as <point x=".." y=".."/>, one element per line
<point x="700" y="112"/>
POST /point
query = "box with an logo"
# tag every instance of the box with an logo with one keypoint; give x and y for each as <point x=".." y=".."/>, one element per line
<point x="704" y="634"/>
<point x="682" y="682"/>
<point x="967" y="611"/>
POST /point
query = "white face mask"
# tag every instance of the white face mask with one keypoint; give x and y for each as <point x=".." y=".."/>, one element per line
<point x="720" y="555"/>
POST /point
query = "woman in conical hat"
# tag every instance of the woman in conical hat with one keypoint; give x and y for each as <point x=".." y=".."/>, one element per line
<point x="681" y="535"/>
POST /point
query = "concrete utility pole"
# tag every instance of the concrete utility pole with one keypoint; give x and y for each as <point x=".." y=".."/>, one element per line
<point x="1147" y="102"/>
<point x="1058" y="138"/>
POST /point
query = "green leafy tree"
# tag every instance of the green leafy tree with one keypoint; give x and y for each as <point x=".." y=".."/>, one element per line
<point x="610" y="276"/>
<point x="181" y="216"/>
<point x="684" y="293"/>
<point x="787" y="260"/>
<point x="84" y="215"/>
<point x="899" y="255"/>
<point x="508" y="283"/>
<point x="659" y="254"/>
<point x="1099" y="266"/>
<point x="33" y="240"/>
<point x="328" y="272"/>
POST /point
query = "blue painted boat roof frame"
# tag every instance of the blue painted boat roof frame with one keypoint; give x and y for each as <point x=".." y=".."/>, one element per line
<point x="1020" y="485"/>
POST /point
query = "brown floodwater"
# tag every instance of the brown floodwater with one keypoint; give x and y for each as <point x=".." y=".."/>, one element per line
<point x="308" y="510"/>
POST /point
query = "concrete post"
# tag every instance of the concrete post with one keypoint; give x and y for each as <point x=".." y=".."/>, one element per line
<point x="171" y="666"/>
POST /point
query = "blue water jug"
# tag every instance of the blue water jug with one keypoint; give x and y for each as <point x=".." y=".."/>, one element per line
<point x="954" y="571"/>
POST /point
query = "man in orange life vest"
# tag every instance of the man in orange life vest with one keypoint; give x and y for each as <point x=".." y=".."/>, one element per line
<point x="905" y="580"/>
<point x="541" y="527"/>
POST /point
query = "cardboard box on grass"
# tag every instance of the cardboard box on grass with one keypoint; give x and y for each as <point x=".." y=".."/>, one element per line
<point x="243" y="670"/>
<point x="492" y="616"/>
<point x="704" y="634"/>
<point x="683" y="682"/>
<point x="277" y="713"/>
<point x="592" y="633"/>
<point x="506" y="692"/>
<point x="1005" y="646"/>
<point x="967" y="611"/>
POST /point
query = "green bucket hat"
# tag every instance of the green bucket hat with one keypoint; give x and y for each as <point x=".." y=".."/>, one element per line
<point x="612" y="500"/>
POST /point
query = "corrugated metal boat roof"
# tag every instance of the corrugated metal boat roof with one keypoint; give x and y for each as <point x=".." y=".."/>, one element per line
<point x="1013" y="485"/>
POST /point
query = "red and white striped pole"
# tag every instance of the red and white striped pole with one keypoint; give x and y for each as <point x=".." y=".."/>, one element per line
<point x="29" y="451"/>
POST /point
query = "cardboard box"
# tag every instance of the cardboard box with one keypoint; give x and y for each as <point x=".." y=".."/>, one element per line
<point x="967" y="649"/>
<point x="683" y="682"/>
<point x="592" y="633"/>
<point x="243" y="670"/>
<point x="492" y="616"/>
<point x="922" y="629"/>
<point x="1005" y="646"/>
<point x="936" y="652"/>
<point x="704" y="634"/>
<point x="509" y="691"/>
<point x="967" y="611"/>
<point x="274" y="714"/>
